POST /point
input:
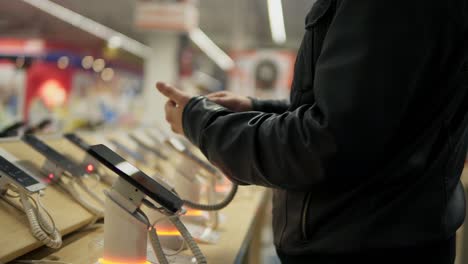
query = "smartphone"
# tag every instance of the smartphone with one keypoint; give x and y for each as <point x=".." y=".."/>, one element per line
<point x="19" y="177"/>
<point x="79" y="142"/>
<point x="135" y="155"/>
<point x="147" y="147"/>
<point x="136" y="177"/>
<point x="54" y="156"/>
<point x="179" y="146"/>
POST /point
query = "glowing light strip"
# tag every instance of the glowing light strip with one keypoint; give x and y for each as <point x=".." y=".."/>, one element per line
<point x="168" y="233"/>
<point x="106" y="261"/>
<point x="275" y="14"/>
<point x="192" y="212"/>
<point x="91" y="27"/>
<point x="211" y="49"/>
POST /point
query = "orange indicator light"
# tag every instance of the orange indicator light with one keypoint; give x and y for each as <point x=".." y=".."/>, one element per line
<point x="106" y="261"/>
<point x="192" y="212"/>
<point x="168" y="232"/>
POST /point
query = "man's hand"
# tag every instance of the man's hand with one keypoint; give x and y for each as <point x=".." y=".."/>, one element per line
<point x="231" y="101"/>
<point x="175" y="105"/>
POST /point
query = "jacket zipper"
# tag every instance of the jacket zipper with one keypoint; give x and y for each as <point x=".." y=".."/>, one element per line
<point x="305" y="212"/>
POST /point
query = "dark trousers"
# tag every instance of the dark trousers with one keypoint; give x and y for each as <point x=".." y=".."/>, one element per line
<point x="442" y="252"/>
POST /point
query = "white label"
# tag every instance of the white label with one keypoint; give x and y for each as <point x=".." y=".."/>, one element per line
<point x="203" y="234"/>
<point x="153" y="15"/>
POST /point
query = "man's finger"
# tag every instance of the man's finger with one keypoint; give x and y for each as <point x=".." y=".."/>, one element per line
<point x="216" y="94"/>
<point x="168" y="108"/>
<point x="220" y="101"/>
<point x="170" y="92"/>
<point x="213" y="97"/>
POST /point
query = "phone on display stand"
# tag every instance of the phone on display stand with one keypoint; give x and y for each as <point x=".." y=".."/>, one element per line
<point x="18" y="176"/>
<point x="156" y="190"/>
<point x="78" y="141"/>
<point x="54" y="156"/>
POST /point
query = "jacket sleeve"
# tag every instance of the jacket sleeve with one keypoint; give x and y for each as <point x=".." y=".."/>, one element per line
<point x="373" y="59"/>
<point x="270" y="106"/>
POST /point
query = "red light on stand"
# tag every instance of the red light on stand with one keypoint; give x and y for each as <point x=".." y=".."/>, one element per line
<point x="51" y="176"/>
<point x="90" y="168"/>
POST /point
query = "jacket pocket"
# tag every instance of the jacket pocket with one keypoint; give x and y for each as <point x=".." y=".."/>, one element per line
<point x="280" y="215"/>
<point x="304" y="216"/>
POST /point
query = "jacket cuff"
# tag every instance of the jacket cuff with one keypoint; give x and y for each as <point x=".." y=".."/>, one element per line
<point x="269" y="106"/>
<point x="197" y="113"/>
<point x="256" y="104"/>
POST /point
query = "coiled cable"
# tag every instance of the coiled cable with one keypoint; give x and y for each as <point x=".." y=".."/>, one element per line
<point x="156" y="243"/>
<point x="157" y="247"/>
<point x="198" y="254"/>
<point x="214" y="207"/>
<point x="43" y="230"/>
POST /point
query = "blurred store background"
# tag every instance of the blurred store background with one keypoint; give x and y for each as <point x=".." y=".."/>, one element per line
<point x="93" y="64"/>
<point x="68" y="65"/>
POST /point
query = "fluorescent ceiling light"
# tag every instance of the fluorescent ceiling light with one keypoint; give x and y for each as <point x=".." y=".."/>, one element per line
<point x="111" y="36"/>
<point x="114" y="42"/>
<point x="211" y="50"/>
<point x="275" y="14"/>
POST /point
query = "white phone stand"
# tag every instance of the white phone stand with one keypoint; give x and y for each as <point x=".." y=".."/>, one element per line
<point x="125" y="235"/>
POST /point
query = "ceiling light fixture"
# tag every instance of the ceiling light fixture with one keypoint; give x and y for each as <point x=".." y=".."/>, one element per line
<point x="211" y="49"/>
<point x="98" y="65"/>
<point x="107" y="74"/>
<point x="275" y="14"/>
<point x="114" y="42"/>
<point x="63" y="62"/>
<point x="91" y="26"/>
<point x="87" y="62"/>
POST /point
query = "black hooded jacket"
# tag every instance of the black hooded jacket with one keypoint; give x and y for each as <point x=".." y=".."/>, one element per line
<point x="369" y="152"/>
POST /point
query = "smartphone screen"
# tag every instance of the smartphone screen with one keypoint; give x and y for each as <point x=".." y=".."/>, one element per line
<point x="136" y="177"/>
<point x="19" y="176"/>
<point x="54" y="156"/>
<point x="77" y="141"/>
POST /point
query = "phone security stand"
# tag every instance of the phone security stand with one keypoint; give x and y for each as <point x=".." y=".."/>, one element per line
<point x="125" y="231"/>
<point x="92" y="165"/>
<point x="163" y="139"/>
<point x="126" y="226"/>
<point x="52" y="171"/>
<point x="212" y="179"/>
<point x="57" y="166"/>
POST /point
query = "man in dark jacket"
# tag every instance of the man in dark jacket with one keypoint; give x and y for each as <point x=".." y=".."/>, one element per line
<point x="365" y="161"/>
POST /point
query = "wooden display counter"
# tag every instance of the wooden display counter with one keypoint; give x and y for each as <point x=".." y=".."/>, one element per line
<point x="235" y="234"/>
<point x="69" y="216"/>
<point x="72" y="219"/>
